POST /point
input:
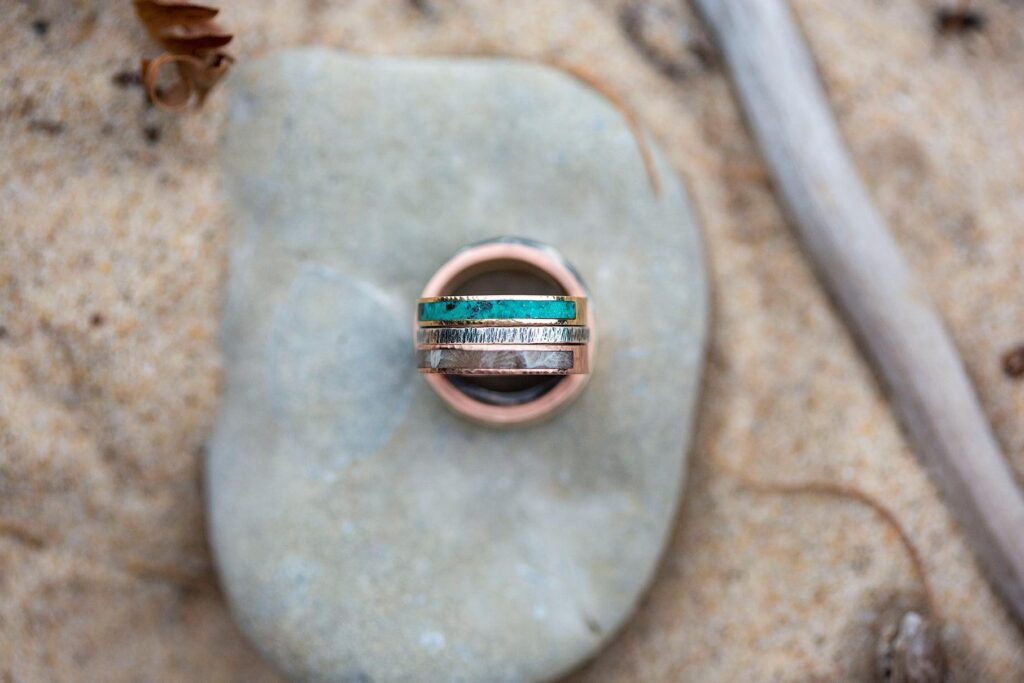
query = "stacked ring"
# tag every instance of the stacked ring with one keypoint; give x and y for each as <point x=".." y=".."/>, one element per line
<point x="502" y="335"/>
<point x="510" y="358"/>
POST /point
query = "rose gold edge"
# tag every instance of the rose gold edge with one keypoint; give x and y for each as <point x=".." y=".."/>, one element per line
<point x="499" y="347"/>
<point x="507" y="322"/>
<point x="508" y="372"/>
<point x="513" y="297"/>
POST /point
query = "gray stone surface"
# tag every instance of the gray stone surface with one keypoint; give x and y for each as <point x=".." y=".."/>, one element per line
<point x="362" y="532"/>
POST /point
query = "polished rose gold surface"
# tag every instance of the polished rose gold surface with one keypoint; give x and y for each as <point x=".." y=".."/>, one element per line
<point x="493" y="256"/>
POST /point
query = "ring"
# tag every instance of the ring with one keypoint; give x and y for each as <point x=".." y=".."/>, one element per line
<point x="502" y="335"/>
<point x="504" y="332"/>
<point x="501" y="310"/>
<point x="508" y="359"/>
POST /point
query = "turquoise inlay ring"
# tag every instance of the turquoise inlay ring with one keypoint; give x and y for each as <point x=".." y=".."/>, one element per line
<point x="505" y="311"/>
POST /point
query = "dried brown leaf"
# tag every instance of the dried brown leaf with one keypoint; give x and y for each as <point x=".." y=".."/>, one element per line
<point x="156" y="15"/>
<point x="195" y="79"/>
<point x="193" y="45"/>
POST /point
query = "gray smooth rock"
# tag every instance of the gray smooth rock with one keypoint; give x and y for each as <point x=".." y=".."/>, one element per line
<point x="363" y="532"/>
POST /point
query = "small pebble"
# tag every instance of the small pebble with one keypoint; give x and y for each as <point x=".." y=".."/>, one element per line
<point x="1013" y="362"/>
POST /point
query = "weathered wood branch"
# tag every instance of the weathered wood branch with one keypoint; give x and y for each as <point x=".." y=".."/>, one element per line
<point x="858" y="260"/>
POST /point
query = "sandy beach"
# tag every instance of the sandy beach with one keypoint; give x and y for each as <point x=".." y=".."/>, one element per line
<point x="112" y="262"/>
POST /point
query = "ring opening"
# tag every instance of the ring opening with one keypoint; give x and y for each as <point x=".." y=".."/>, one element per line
<point x="504" y="276"/>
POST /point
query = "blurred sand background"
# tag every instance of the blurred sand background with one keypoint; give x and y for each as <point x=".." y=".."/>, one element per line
<point x="112" y="249"/>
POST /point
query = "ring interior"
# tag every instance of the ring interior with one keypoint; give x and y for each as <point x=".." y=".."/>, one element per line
<point x="498" y="277"/>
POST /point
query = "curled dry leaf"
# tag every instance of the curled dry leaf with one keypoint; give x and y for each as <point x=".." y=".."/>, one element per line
<point x="194" y="47"/>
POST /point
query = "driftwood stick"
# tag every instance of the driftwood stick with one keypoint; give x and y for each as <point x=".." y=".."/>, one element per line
<point x="860" y="264"/>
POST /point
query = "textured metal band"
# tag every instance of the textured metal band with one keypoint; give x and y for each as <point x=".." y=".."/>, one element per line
<point x="501" y="311"/>
<point x="503" y="335"/>
<point x="510" y="359"/>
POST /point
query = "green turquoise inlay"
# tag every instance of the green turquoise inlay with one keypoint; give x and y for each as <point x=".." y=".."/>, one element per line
<point x="497" y="309"/>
